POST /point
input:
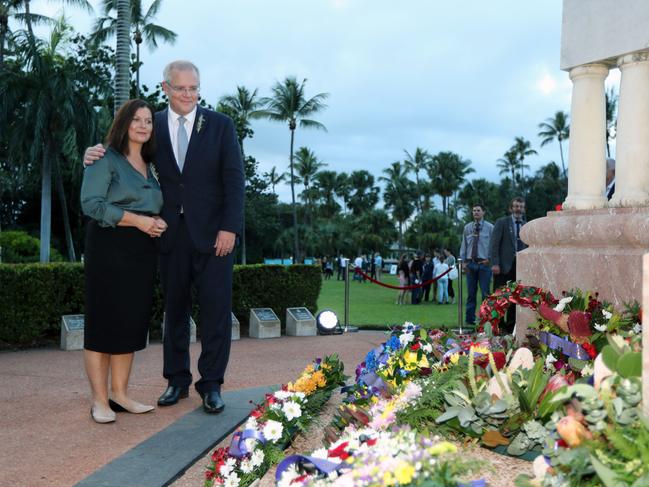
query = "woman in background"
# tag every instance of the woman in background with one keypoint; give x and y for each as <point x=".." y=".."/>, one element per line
<point x="122" y="198"/>
<point x="403" y="271"/>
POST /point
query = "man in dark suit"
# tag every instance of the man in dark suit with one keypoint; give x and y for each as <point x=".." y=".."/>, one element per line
<point x="610" y="178"/>
<point x="199" y="164"/>
<point x="505" y="243"/>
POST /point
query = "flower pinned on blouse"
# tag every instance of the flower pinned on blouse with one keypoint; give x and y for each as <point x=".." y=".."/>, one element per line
<point x="200" y="123"/>
<point x="154" y="173"/>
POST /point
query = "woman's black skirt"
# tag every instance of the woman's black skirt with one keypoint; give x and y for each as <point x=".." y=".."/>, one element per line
<point x="120" y="267"/>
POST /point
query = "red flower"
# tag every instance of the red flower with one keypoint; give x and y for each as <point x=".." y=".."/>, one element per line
<point x="579" y="324"/>
<point x="300" y="479"/>
<point x="590" y="350"/>
<point x="371" y="442"/>
<point x="500" y="359"/>
<point x="558" y="207"/>
<point x="270" y="399"/>
<point x="415" y="347"/>
<point x="425" y="371"/>
<point x="561" y="443"/>
<point x="209" y="475"/>
<point x="339" y="451"/>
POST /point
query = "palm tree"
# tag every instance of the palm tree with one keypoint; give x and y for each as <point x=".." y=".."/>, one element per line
<point x="417" y="163"/>
<point x="447" y="172"/>
<point x="11" y="10"/>
<point x="274" y="178"/>
<point x="399" y="195"/>
<point x="122" y="53"/>
<point x="325" y="183"/>
<point x="343" y="189"/>
<point x="55" y="117"/>
<point x="557" y="128"/>
<point x="522" y="148"/>
<point x="290" y="104"/>
<point x="141" y="24"/>
<point x="611" y="119"/>
<point x="241" y="106"/>
<point x="306" y="167"/>
<point x="363" y="193"/>
<point x="508" y="164"/>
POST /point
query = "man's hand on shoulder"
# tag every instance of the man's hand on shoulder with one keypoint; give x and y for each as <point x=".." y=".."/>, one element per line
<point x="224" y="243"/>
<point x="93" y="154"/>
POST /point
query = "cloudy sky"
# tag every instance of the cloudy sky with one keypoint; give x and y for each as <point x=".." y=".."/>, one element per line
<point x="466" y="76"/>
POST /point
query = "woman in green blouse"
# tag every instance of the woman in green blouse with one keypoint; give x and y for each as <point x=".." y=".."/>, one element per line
<point x="122" y="198"/>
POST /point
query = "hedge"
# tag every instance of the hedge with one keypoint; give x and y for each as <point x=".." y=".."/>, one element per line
<point x="33" y="297"/>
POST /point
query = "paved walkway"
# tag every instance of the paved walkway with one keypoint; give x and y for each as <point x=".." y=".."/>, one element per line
<point x="48" y="438"/>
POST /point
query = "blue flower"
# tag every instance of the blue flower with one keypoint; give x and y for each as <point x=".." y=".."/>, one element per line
<point x="393" y="343"/>
<point x="370" y="361"/>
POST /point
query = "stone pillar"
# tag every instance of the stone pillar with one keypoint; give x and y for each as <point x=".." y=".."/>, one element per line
<point x="645" y="335"/>
<point x="632" y="164"/>
<point x="587" y="161"/>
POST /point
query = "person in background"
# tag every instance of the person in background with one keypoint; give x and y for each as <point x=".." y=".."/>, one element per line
<point x="442" y="282"/>
<point x="416" y="271"/>
<point x="427" y="275"/>
<point x="505" y="244"/>
<point x="123" y="200"/>
<point x="437" y="258"/>
<point x="358" y="266"/>
<point x="474" y="253"/>
<point x="328" y="268"/>
<point x="403" y="271"/>
<point x="450" y="262"/>
<point x="378" y="260"/>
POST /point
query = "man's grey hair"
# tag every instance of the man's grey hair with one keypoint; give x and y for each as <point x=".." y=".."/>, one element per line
<point x="610" y="164"/>
<point x="179" y="65"/>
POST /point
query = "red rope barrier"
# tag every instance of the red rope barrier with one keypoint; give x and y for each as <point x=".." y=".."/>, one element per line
<point x="358" y="271"/>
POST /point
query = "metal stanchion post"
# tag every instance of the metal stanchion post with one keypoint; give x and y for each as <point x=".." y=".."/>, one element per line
<point x="346" y="276"/>
<point x="460" y="320"/>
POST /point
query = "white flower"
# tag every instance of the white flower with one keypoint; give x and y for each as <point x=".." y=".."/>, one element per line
<point x="637" y="328"/>
<point x="246" y="466"/>
<point x="292" y="410"/>
<point x="601" y="328"/>
<point x="231" y="480"/>
<point x="227" y="468"/>
<point x="320" y="453"/>
<point x="251" y="424"/>
<point x="549" y="360"/>
<point x="562" y="304"/>
<point x="406" y="338"/>
<point x="288" y="476"/>
<point x="587" y="371"/>
<point x="251" y="443"/>
<point x="257" y="458"/>
<point x="299" y="395"/>
<point x="275" y="406"/>
<point x="427" y="348"/>
<point x="282" y="395"/>
<point x="608" y="315"/>
<point x="273" y="430"/>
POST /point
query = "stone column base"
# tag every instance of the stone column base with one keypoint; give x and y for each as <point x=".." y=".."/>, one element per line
<point x="595" y="250"/>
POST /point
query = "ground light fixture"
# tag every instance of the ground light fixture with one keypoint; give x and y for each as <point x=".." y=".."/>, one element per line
<point x="328" y="323"/>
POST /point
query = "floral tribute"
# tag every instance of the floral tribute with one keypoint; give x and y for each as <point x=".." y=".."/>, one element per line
<point x="271" y="426"/>
<point x="550" y="401"/>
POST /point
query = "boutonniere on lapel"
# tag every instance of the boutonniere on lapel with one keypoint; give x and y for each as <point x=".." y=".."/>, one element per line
<point x="200" y="123"/>
<point x="154" y="172"/>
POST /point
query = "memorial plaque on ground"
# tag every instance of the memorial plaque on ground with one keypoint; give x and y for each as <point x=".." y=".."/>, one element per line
<point x="264" y="323"/>
<point x="72" y="332"/>
<point x="236" y="328"/>
<point x="300" y="322"/>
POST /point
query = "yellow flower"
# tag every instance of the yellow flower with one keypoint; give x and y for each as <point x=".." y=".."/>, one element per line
<point x="309" y="369"/>
<point x="411" y="362"/>
<point x="441" y="448"/>
<point x="404" y="473"/>
<point x="388" y="479"/>
<point x="319" y="378"/>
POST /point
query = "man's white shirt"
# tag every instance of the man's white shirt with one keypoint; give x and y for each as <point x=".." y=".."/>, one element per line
<point x="172" y="119"/>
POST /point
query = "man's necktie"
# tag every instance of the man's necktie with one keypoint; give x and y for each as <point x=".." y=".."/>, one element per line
<point x="476" y="237"/>
<point x="183" y="142"/>
<point x="519" y="242"/>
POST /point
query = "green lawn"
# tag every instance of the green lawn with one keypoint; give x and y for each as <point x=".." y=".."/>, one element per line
<point x="371" y="304"/>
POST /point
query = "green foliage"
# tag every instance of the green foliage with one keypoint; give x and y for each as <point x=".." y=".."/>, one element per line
<point x="33" y="297"/>
<point x="19" y="247"/>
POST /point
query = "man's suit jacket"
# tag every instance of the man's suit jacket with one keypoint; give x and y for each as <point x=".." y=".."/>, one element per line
<point x="210" y="189"/>
<point x="502" y="248"/>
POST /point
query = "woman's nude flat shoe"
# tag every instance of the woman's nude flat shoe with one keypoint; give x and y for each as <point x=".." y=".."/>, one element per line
<point x="136" y="408"/>
<point x="102" y="417"/>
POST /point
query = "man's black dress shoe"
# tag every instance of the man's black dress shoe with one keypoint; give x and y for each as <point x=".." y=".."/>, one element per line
<point x="212" y="402"/>
<point x="172" y="395"/>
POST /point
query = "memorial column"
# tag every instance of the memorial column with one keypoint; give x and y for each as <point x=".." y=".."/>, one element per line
<point x="586" y="160"/>
<point x="632" y="149"/>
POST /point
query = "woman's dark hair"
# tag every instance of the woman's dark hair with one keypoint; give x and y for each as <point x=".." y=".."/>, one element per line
<point x="117" y="137"/>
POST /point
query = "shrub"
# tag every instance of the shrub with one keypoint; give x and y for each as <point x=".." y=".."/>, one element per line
<point x="33" y="297"/>
<point x="20" y="247"/>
